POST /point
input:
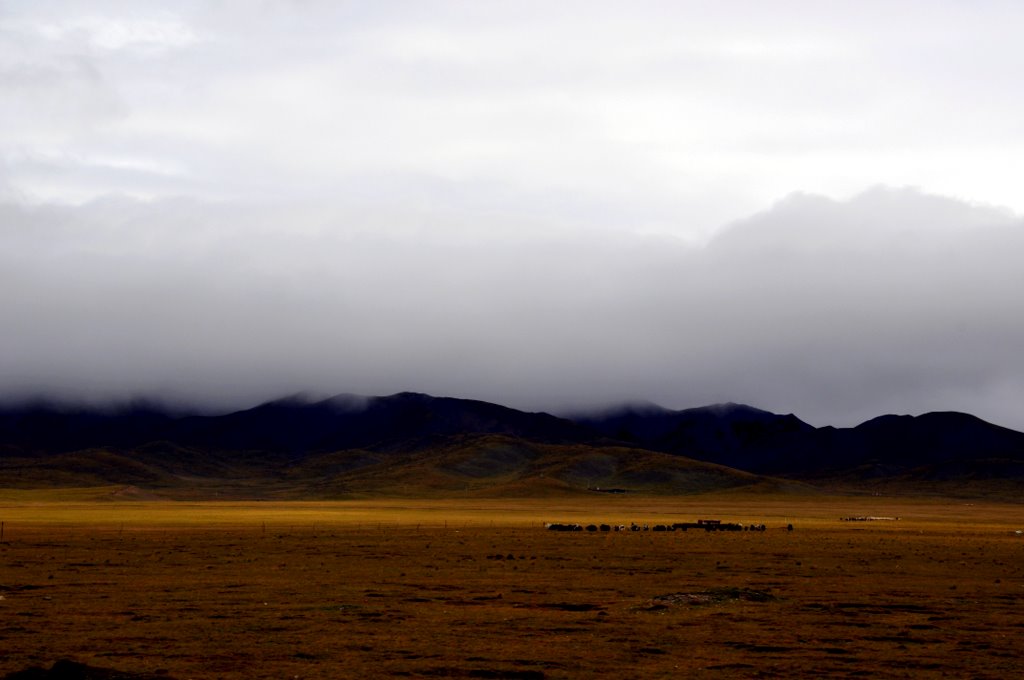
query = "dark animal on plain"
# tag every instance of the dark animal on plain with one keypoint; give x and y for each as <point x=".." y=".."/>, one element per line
<point x="564" y="527"/>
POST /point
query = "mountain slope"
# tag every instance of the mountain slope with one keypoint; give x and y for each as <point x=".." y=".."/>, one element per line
<point x="736" y="435"/>
<point x="938" y="446"/>
<point x="499" y="465"/>
<point x="935" y="447"/>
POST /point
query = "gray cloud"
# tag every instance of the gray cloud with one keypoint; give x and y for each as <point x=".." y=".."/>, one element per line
<point x="514" y="201"/>
<point x="838" y="311"/>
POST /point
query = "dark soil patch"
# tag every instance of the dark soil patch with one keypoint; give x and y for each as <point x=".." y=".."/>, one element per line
<point x="707" y="597"/>
<point x="72" y="670"/>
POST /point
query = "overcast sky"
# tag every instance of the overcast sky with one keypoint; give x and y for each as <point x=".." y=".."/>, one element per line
<point x="809" y="207"/>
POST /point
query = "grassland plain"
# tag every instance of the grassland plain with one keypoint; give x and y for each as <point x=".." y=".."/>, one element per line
<point x="477" y="588"/>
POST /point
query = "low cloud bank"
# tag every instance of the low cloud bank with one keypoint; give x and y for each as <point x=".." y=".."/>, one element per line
<point x="892" y="301"/>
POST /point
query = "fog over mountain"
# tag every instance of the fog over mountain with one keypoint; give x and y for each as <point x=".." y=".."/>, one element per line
<point x="892" y="301"/>
<point x="549" y="206"/>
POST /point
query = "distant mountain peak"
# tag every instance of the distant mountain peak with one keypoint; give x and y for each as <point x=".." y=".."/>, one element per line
<point x="298" y="399"/>
<point x="930" y="418"/>
<point x="729" y="408"/>
<point x="410" y="397"/>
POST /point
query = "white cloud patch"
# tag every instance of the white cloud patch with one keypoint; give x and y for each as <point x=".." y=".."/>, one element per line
<point x="694" y="114"/>
<point x="110" y="33"/>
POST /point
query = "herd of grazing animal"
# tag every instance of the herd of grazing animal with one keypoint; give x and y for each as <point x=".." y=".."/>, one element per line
<point x="703" y="524"/>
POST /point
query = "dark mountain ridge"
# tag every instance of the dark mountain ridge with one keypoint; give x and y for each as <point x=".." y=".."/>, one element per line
<point x="288" y="426"/>
<point x="767" y="443"/>
<point x="372" y="438"/>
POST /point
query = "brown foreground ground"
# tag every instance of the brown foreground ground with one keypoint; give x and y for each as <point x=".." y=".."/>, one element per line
<point x="478" y="589"/>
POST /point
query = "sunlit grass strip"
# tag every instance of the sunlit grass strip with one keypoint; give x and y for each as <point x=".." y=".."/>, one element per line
<point x="95" y="507"/>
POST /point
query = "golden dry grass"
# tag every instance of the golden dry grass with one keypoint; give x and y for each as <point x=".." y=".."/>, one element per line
<point x="476" y="588"/>
<point x="113" y="506"/>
